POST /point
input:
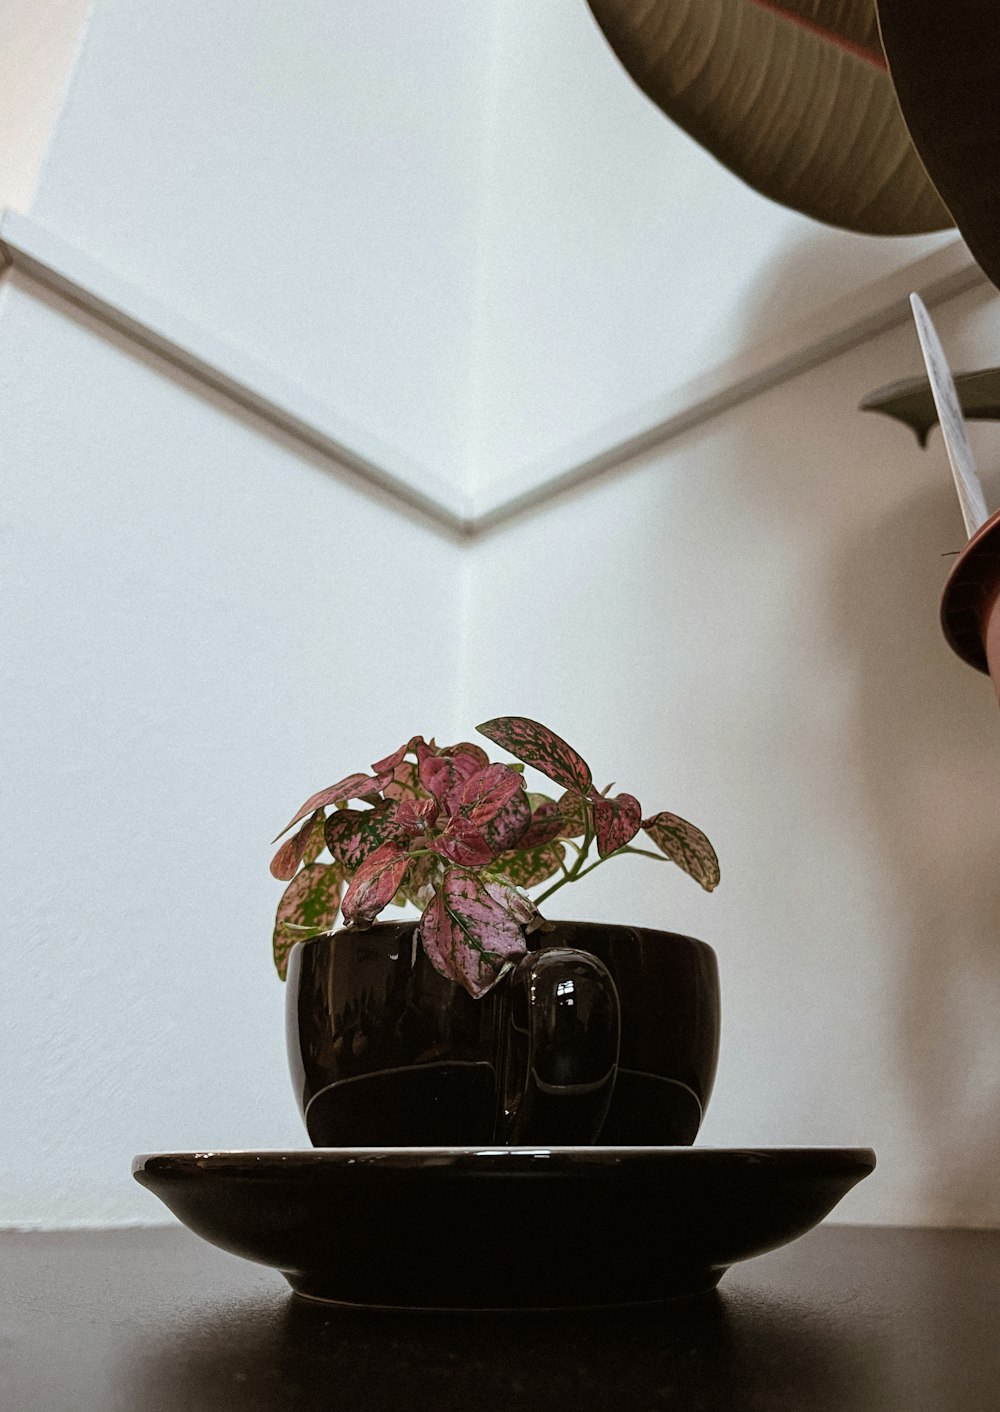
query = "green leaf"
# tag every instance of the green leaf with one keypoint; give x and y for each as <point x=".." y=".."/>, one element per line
<point x="943" y="56"/>
<point x="912" y="402"/>
<point x="685" y="845"/>
<point x="792" y="95"/>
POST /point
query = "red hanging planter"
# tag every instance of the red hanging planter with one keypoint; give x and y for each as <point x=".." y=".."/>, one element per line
<point x="970" y="603"/>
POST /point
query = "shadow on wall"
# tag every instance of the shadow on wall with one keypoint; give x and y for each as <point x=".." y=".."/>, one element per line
<point x="923" y="740"/>
<point x="936" y="828"/>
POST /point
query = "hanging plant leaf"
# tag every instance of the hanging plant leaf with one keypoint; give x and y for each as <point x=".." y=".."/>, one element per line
<point x="944" y="58"/>
<point x="791" y="95"/>
<point x="685" y="845"/>
<point x="536" y="745"/>
<point x="912" y="402"/>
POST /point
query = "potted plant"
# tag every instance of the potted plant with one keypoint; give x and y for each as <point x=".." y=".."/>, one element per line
<point x="417" y="1008"/>
<point x="463" y="840"/>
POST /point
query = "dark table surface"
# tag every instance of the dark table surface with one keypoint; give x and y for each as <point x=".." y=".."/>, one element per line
<point x="846" y="1318"/>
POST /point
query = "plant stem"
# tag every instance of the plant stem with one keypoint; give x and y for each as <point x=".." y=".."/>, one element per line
<point x="578" y="871"/>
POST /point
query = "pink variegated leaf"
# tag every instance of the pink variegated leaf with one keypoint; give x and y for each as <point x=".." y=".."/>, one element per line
<point x="536" y="745"/>
<point x="418" y="885"/>
<point x="685" y="845"/>
<point x="352" y="835"/>
<point x="316" y="841"/>
<point x="282" y="941"/>
<point x="437" y="777"/>
<point x="302" y="846"/>
<point x="575" y="814"/>
<point x="495" y="802"/>
<point x="521" y="908"/>
<point x="616" y="821"/>
<point x="506" y="829"/>
<point x="405" y="782"/>
<point x="462" y="843"/>
<point x="444" y="777"/>
<point x="468" y="936"/>
<point x="487" y="791"/>
<point x="416" y="816"/>
<point x="374" y="885"/>
<point x="465" y="766"/>
<point x="308" y="907"/>
<point x="546" y="823"/>
<point x="529" y="867"/>
<point x="390" y="762"/>
<point x="467" y="747"/>
<point x="351" y="787"/>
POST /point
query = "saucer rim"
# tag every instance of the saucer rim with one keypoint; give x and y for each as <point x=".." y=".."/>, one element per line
<point x="479" y="1155"/>
<point x="287" y="1209"/>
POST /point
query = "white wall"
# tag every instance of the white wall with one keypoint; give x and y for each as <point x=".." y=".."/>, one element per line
<point x="744" y="630"/>
<point x="618" y="256"/>
<point x="298" y="178"/>
<point x="37" y="47"/>
<point x="201" y="627"/>
<point x="457" y="233"/>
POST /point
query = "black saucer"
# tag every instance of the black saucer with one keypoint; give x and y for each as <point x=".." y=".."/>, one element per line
<point x="512" y="1228"/>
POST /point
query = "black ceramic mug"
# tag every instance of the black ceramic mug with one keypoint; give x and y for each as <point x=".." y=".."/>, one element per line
<point x="601" y="1033"/>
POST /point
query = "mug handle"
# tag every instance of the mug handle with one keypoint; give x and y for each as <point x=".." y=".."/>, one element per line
<point x="561" y="1055"/>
